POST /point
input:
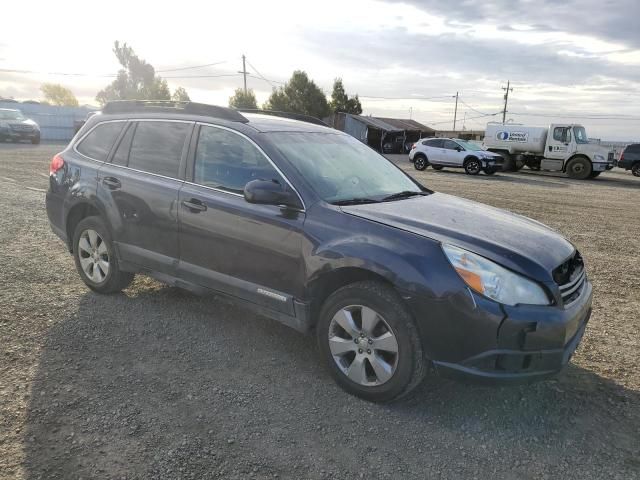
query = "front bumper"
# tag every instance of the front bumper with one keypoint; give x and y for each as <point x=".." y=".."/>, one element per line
<point x="7" y="134"/>
<point x="533" y="342"/>
<point x="493" y="163"/>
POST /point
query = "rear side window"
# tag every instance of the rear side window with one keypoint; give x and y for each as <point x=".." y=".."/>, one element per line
<point x="98" y="143"/>
<point x="121" y="157"/>
<point x="157" y="147"/>
<point x="227" y="161"/>
<point x="633" y="148"/>
<point x="433" y="143"/>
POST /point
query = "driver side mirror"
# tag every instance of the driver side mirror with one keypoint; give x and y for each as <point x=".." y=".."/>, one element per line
<point x="270" y="192"/>
<point x="458" y="149"/>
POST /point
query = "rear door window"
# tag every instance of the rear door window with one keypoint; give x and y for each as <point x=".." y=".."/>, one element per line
<point x="157" y="147"/>
<point x="228" y="161"/>
<point x="98" y="143"/>
<point x="121" y="157"/>
<point x="433" y="143"/>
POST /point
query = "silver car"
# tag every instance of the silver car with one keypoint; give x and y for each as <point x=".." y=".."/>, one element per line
<point x="456" y="153"/>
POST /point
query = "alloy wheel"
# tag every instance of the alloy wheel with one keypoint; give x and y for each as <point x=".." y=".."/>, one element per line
<point x="363" y="345"/>
<point x="473" y="167"/>
<point x="94" y="256"/>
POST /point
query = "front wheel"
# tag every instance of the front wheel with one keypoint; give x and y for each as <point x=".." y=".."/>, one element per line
<point x="420" y="162"/>
<point x="636" y="170"/>
<point x="472" y="166"/>
<point x="370" y="342"/>
<point x="579" y="168"/>
<point x="95" y="257"/>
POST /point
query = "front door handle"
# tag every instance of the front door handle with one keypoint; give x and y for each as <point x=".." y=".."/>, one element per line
<point x="111" y="183"/>
<point x="194" y="205"/>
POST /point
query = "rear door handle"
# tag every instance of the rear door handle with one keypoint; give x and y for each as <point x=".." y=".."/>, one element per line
<point x="111" y="183"/>
<point x="194" y="205"/>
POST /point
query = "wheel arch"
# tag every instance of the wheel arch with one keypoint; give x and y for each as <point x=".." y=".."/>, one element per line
<point x="573" y="157"/>
<point x="324" y="285"/>
<point x="77" y="213"/>
<point x="469" y="157"/>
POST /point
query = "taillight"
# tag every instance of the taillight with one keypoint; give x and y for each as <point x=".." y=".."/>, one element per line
<point x="57" y="162"/>
<point x="621" y="156"/>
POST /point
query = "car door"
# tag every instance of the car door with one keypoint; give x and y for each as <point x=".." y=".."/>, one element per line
<point x="433" y="149"/>
<point x="246" y="250"/>
<point x="140" y="190"/>
<point x="455" y="153"/>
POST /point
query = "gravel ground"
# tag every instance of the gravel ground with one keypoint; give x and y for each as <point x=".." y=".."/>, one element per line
<point x="158" y="383"/>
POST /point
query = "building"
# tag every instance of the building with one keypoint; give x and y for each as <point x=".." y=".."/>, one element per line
<point x="462" y="134"/>
<point x="388" y="135"/>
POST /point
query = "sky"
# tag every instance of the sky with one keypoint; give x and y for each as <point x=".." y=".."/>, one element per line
<point x="567" y="60"/>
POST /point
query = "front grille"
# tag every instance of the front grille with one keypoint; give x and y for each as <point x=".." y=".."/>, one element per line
<point x="20" y="127"/>
<point x="570" y="277"/>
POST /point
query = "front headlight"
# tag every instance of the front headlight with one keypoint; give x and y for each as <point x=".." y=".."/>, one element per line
<point x="492" y="280"/>
<point x="598" y="158"/>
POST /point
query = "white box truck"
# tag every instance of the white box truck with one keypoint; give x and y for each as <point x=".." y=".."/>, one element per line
<point x="559" y="148"/>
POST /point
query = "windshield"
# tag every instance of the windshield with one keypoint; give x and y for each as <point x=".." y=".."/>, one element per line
<point x="11" y="115"/>
<point x="341" y="168"/>
<point x="581" y="135"/>
<point x="469" y="145"/>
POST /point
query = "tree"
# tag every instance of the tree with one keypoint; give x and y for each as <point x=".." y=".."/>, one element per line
<point x="340" y="101"/>
<point x="56" y="94"/>
<point x="239" y="99"/>
<point x="180" y="95"/>
<point x="299" y="95"/>
<point x="136" y="80"/>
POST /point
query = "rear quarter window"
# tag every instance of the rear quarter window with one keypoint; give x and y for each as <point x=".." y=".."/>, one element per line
<point x="632" y="149"/>
<point x="97" y="144"/>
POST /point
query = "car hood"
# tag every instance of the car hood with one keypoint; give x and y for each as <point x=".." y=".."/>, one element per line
<point x="514" y="241"/>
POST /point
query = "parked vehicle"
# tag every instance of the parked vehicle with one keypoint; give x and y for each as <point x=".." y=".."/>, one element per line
<point x="307" y="225"/>
<point x="630" y="159"/>
<point x="558" y="148"/>
<point x="15" y="126"/>
<point x="453" y="152"/>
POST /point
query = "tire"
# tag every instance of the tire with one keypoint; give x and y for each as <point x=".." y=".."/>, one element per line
<point x="352" y="367"/>
<point x="489" y="171"/>
<point x="36" y="140"/>
<point x="420" y="162"/>
<point x="437" y="167"/>
<point x="472" y="166"/>
<point x="518" y="164"/>
<point x="579" y="168"/>
<point x="508" y="165"/>
<point x="635" y="170"/>
<point x="95" y="257"/>
<point x="594" y="174"/>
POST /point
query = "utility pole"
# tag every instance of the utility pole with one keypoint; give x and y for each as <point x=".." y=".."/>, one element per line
<point x="244" y="74"/>
<point x="410" y="112"/>
<point x="455" y="113"/>
<point x="506" y="99"/>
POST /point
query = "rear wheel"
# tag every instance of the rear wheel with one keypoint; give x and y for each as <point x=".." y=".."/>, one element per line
<point x="636" y="170"/>
<point x="35" y="140"/>
<point x="472" y="166"/>
<point x="508" y="165"/>
<point x="420" y="162"/>
<point x="95" y="257"/>
<point x="579" y="168"/>
<point x="370" y="342"/>
<point x="437" y="167"/>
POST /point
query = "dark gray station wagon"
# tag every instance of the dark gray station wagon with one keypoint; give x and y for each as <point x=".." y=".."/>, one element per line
<point x="310" y="227"/>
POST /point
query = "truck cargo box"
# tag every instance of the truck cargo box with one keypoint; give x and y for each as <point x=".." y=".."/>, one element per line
<point x="516" y="138"/>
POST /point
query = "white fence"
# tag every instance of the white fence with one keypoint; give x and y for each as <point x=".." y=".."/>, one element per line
<point x="56" y="123"/>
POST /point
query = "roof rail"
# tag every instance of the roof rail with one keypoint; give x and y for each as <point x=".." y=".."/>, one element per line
<point x="293" y="116"/>
<point x="168" y="106"/>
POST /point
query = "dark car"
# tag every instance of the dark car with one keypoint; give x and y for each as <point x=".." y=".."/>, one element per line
<point x="15" y="126"/>
<point x="311" y="227"/>
<point x="630" y="159"/>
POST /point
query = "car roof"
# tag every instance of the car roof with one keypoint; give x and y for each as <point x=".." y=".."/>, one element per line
<point x="259" y="121"/>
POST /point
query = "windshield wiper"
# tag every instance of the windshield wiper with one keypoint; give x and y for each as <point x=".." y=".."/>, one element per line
<point x="354" y="201"/>
<point x="403" y="194"/>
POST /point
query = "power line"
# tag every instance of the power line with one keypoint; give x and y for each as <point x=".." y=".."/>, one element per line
<point x="190" y="68"/>
<point x="206" y="76"/>
<point x="585" y="116"/>
<point x="404" y="98"/>
<point x="260" y="75"/>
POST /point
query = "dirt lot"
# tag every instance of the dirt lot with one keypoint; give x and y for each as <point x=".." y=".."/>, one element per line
<point x="158" y="383"/>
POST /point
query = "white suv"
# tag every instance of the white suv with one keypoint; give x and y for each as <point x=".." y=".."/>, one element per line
<point x="452" y="152"/>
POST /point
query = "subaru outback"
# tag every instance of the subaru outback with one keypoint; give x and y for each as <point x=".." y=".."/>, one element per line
<point x="310" y="227"/>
